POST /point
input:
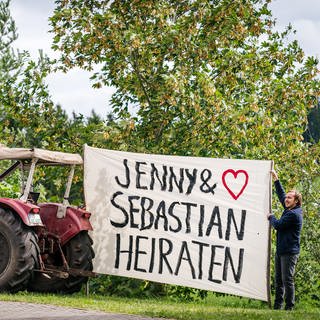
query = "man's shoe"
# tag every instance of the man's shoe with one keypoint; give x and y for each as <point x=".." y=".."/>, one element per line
<point x="289" y="308"/>
<point x="277" y="307"/>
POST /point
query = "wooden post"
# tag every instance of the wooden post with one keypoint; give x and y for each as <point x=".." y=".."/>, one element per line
<point x="269" y="245"/>
<point x="87" y="288"/>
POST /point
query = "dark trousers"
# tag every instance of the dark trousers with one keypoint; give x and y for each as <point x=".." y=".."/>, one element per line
<point x="284" y="279"/>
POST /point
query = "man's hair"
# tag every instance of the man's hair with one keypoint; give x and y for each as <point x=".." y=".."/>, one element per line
<point x="297" y="197"/>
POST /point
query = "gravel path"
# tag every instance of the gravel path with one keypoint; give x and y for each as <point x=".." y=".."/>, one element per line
<point x="32" y="311"/>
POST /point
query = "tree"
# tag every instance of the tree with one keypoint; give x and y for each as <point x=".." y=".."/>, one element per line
<point x="312" y="133"/>
<point x="26" y="110"/>
<point x="207" y="78"/>
<point x="203" y="78"/>
<point x="24" y="99"/>
<point x="28" y="115"/>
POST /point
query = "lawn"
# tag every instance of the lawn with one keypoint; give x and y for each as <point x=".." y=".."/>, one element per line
<point x="213" y="307"/>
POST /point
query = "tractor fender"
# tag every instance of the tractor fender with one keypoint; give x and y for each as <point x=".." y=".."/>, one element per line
<point x="21" y="208"/>
<point x="67" y="227"/>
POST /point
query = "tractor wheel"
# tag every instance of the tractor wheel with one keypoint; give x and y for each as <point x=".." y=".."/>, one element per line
<point x="79" y="254"/>
<point x="18" y="252"/>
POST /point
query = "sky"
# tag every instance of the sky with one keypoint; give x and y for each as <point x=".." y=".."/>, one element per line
<point x="72" y="90"/>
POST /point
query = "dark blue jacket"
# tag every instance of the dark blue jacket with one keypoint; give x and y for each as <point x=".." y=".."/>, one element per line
<point x="288" y="226"/>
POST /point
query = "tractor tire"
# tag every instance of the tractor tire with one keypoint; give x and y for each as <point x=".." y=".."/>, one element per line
<point x="79" y="254"/>
<point x="19" y="252"/>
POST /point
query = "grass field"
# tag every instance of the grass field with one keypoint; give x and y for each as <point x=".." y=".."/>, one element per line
<point x="213" y="307"/>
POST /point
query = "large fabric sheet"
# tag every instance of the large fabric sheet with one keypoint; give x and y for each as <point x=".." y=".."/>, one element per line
<point x="196" y="222"/>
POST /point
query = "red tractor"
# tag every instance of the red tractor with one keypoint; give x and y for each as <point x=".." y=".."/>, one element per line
<point x="44" y="247"/>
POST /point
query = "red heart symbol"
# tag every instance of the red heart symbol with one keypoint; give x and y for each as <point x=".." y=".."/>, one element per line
<point x="234" y="195"/>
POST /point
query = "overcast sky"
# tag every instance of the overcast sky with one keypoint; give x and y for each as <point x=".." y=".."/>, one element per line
<point x="73" y="91"/>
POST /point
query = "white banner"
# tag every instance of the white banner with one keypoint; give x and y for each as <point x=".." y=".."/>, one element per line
<point x="197" y="222"/>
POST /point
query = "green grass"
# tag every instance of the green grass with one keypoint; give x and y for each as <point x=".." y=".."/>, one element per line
<point x="213" y="307"/>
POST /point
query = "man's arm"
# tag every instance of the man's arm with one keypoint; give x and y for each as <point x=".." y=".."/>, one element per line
<point x="285" y="222"/>
<point x="279" y="189"/>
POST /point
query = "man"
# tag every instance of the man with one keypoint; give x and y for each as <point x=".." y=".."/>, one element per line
<point x="288" y="243"/>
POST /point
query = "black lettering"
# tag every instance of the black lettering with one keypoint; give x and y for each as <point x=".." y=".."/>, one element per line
<point x="213" y="263"/>
<point x="125" y="213"/>
<point x="146" y="208"/>
<point x="188" y="214"/>
<point x="231" y="217"/>
<point x="173" y="177"/>
<point x="139" y="174"/>
<point x="118" y="251"/>
<point x="201" y="245"/>
<point x="153" y="245"/>
<point x="227" y="258"/>
<point x="215" y="214"/>
<point x="163" y="255"/>
<point x="184" y="249"/>
<point x="127" y="171"/>
<point x="132" y="211"/>
<point x="205" y="177"/>
<point x="201" y="220"/>
<point x="136" y="268"/>
<point x="170" y="212"/>
<point x="161" y="215"/>
<point x="154" y="173"/>
<point x="192" y="179"/>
